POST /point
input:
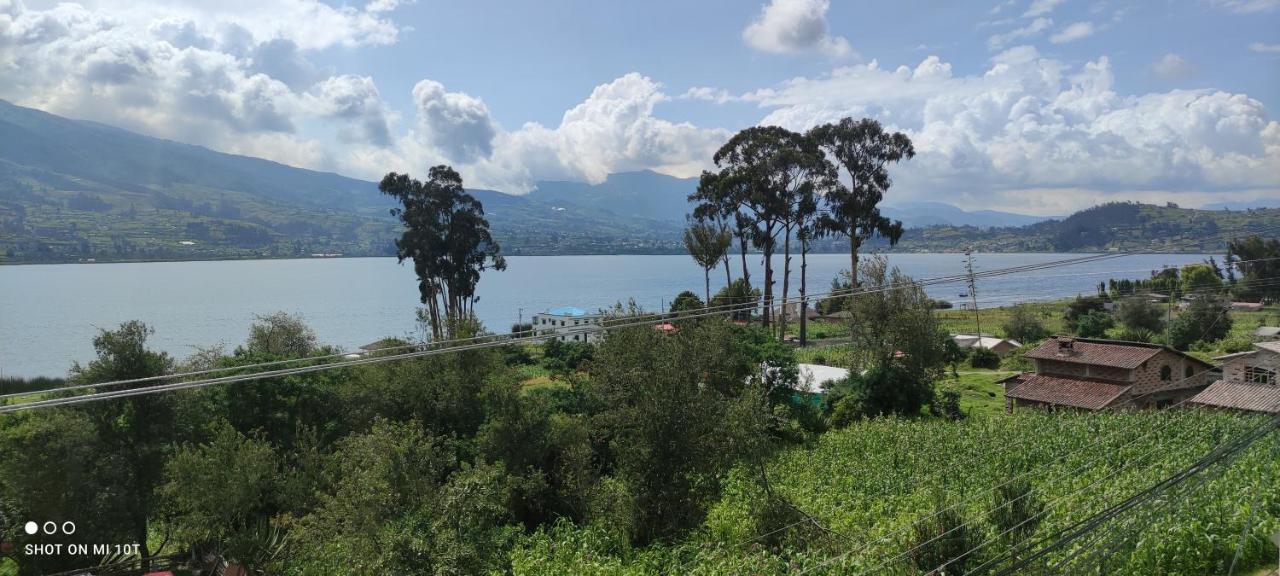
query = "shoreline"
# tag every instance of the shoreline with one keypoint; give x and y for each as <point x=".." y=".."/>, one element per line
<point x="551" y="255"/>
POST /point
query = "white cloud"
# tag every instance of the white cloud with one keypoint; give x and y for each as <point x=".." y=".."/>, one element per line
<point x="1172" y="67"/>
<point x="1261" y="48"/>
<point x="1041" y="7"/>
<point x="310" y="24"/>
<point x="786" y="26"/>
<point x="356" y="101"/>
<point x="1072" y="32"/>
<point x="205" y="82"/>
<point x="1030" y="123"/>
<point x="456" y="123"/>
<point x="1034" y="28"/>
<point x="1247" y="6"/>
<point x="708" y="94"/>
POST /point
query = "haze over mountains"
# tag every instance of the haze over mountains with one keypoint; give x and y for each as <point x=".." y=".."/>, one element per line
<point x="75" y="190"/>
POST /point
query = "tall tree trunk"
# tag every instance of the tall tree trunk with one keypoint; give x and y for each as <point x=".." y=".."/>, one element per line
<point x="728" y="279"/>
<point x="742" y="248"/>
<point x="786" y="282"/>
<point x="854" y="244"/>
<point x="804" y="303"/>
<point x="706" y="277"/>
<point x="768" y="278"/>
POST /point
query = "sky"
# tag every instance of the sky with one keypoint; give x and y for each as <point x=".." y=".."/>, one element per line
<point x="1032" y="106"/>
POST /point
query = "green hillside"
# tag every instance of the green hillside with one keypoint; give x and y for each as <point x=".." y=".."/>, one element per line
<point x="73" y="191"/>
<point x="1115" y="226"/>
<point x="79" y="191"/>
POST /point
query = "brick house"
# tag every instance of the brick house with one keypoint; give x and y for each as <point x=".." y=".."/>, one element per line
<point x="1093" y="374"/>
<point x="1250" y="381"/>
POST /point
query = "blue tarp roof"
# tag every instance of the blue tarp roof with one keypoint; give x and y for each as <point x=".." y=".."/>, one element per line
<point x="567" y="311"/>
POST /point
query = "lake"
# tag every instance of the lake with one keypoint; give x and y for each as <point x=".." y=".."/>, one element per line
<point x="50" y="313"/>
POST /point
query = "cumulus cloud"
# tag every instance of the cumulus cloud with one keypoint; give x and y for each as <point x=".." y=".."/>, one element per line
<point x="355" y="100"/>
<point x="454" y="122"/>
<point x="1034" y="28"/>
<point x="1172" y="67"/>
<point x="1261" y="48"/>
<point x="231" y="75"/>
<point x="1031" y="123"/>
<point x="787" y="26"/>
<point x="1072" y="32"/>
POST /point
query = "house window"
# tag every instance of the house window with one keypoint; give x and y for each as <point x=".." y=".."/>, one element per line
<point x="1189" y="372"/>
<point x="1259" y="375"/>
<point x="1166" y="372"/>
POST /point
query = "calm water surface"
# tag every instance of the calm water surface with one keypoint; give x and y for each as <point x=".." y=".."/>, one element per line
<point x="49" y="314"/>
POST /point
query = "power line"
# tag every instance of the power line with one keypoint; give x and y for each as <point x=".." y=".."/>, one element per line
<point x="953" y="506"/>
<point x="1070" y="533"/>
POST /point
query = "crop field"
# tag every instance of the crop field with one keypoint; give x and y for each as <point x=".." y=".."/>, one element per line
<point x="864" y="487"/>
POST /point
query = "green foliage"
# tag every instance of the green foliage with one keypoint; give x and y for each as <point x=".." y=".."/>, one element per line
<point x="1025" y="325"/>
<point x="281" y="335"/>
<point x="1094" y="324"/>
<point x="942" y="543"/>
<point x="864" y="150"/>
<point x="15" y="384"/>
<point x="1016" y="511"/>
<point x="707" y="244"/>
<point x="221" y="493"/>
<point x="1199" y="278"/>
<point x="1205" y="319"/>
<point x="739" y="295"/>
<point x="1139" y="313"/>
<point x="980" y="357"/>
<point x="686" y="302"/>
<point x="675" y="412"/>
<point x="882" y="390"/>
<point x="1083" y="305"/>
<point x="447" y="237"/>
<point x="1137" y="335"/>
<point x="566" y="357"/>
<point x="1259" y="264"/>
<point x="400" y="503"/>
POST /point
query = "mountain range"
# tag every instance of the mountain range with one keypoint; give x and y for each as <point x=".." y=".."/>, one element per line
<point x="73" y="190"/>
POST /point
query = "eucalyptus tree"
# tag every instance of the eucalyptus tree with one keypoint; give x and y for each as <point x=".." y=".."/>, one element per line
<point x="799" y="171"/>
<point x="719" y="198"/>
<point x="708" y="244"/>
<point x="749" y="164"/>
<point x="864" y="150"/>
<point x="447" y="237"/>
<point x="808" y="229"/>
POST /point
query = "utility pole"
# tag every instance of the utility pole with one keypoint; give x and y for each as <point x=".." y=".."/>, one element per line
<point x="519" y="320"/>
<point x="973" y="291"/>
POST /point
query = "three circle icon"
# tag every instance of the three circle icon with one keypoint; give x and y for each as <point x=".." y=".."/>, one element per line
<point x="50" y="528"/>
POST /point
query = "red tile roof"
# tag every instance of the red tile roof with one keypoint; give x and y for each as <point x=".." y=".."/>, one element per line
<point x="1113" y="353"/>
<point x="1076" y="392"/>
<point x="1241" y="396"/>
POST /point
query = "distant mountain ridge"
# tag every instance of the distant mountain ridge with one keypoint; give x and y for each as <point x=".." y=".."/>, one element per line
<point x="73" y="190"/>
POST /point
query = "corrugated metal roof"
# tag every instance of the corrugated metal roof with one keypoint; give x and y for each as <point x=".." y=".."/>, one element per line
<point x="1240" y="396"/>
<point x="1079" y="393"/>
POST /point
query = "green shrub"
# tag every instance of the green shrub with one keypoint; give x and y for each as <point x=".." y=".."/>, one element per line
<point x="1094" y="324"/>
<point x="980" y="357"/>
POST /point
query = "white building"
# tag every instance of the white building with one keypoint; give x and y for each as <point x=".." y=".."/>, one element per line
<point x="568" y="324"/>
<point x="1001" y="346"/>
